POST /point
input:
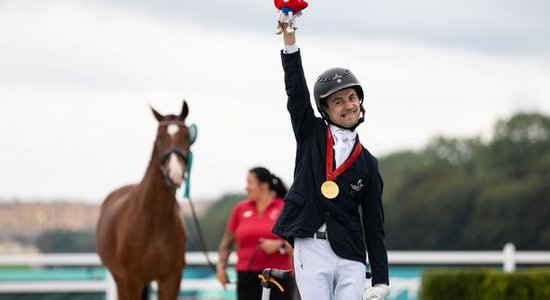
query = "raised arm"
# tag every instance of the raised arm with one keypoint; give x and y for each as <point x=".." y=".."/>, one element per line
<point x="298" y="104"/>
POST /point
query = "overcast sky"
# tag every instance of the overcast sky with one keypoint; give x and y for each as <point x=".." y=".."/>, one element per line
<point x="77" y="77"/>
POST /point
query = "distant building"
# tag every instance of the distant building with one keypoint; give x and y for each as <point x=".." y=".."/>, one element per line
<point x="29" y="219"/>
<point x="16" y="248"/>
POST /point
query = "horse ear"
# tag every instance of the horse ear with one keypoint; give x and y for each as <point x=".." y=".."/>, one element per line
<point x="184" y="111"/>
<point x="158" y="116"/>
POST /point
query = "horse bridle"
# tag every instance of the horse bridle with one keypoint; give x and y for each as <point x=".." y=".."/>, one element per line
<point x="176" y="150"/>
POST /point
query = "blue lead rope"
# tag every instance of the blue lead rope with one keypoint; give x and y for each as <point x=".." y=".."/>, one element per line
<point x="187" y="190"/>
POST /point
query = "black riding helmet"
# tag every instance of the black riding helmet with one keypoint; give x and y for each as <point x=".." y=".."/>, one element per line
<point x="332" y="81"/>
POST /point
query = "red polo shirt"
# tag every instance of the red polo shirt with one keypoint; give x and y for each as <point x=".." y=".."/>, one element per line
<point x="248" y="227"/>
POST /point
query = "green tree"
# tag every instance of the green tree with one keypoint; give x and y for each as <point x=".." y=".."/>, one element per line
<point x="214" y="221"/>
<point x="464" y="193"/>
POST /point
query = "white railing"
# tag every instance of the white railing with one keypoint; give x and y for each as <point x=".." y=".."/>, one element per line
<point x="90" y="259"/>
<point x="508" y="258"/>
<point x="93" y="285"/>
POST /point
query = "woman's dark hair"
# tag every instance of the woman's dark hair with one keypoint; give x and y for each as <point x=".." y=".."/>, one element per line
<point x="275" y="183"/>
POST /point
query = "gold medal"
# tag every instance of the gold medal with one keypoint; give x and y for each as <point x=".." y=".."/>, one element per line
<point x="330" y="189"/>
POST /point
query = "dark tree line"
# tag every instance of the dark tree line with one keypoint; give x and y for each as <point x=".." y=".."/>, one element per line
<point x="65" y="241"/>
<point x="472" y="194"/>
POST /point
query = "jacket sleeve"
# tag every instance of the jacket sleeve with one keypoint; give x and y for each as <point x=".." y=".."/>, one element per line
<point x="298" y="103"/>
<point x="373" y="225"/>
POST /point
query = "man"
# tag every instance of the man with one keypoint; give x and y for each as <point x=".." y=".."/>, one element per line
<point x="333" y="211"/>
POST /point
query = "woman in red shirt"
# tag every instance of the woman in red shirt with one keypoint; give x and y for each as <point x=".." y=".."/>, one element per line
<point x="258" y="248"/>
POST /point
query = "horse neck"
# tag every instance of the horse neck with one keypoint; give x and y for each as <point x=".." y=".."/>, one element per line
<point x="155" y="194"/>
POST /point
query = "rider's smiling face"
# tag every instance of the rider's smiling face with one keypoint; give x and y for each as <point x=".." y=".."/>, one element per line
<point x="342" y="107"/>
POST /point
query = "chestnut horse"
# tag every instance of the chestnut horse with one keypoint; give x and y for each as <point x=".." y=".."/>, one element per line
<point x="140" y="235"/>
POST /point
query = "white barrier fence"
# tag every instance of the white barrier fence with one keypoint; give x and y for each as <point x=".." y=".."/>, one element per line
<point x="92" y="285"/>
<point x="509" y="258"/>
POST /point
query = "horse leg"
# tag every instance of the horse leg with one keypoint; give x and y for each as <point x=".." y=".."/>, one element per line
<point x="169" y="288"/>
<point x="120" y="288"/>
<point x="131" y="289"/>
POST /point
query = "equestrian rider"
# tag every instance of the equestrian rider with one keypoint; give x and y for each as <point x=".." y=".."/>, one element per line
<point x="333" y="211"/>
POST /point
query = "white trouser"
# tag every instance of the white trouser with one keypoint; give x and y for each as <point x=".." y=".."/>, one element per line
<point x="322" y="275"/>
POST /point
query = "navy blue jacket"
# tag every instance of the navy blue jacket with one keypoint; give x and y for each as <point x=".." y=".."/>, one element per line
<point x="355" y="218"/>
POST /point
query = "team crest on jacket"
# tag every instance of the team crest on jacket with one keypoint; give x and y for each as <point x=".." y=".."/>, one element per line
<point x="358" y="186"/>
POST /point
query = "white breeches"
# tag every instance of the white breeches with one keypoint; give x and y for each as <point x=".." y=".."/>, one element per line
<point x="322" y="275"/>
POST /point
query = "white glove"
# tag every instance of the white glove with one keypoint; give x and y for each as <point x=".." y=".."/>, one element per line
<point x="377" y="292"/>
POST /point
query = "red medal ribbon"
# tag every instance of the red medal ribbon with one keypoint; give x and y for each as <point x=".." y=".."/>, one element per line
<point x="331" y="173"/>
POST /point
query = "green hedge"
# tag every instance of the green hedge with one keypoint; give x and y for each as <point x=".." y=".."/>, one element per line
<point x="484" y="284"/>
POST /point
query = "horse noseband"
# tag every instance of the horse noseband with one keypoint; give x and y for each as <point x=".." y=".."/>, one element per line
<point x="179" y="152"/>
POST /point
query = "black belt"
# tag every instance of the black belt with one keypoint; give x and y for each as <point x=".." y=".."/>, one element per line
<point x="322" y="235"/>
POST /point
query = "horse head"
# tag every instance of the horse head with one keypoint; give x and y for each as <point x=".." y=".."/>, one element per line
<point x="172" y="145"/>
